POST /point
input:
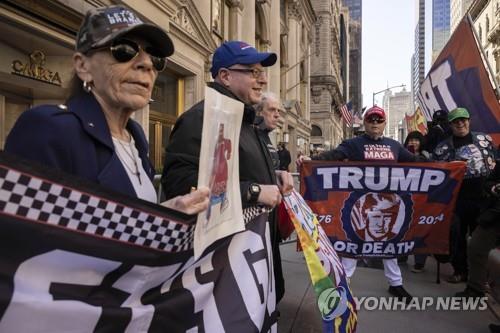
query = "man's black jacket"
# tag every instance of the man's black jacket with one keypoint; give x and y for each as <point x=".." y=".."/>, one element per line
<point x="180" y="171"/>
<point x="285" y="159"/>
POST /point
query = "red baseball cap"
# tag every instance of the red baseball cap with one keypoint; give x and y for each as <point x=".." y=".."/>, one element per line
<point x="375" y="111"/>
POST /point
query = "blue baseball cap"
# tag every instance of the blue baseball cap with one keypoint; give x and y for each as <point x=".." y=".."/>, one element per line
<point x="238" y="52"/>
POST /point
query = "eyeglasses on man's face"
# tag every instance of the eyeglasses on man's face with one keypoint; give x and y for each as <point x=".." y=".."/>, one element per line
<point x="459" y="120"/>
<point x="255" y="72"/>
<point x="124" y="50"/>
<point x="375" y="120"/>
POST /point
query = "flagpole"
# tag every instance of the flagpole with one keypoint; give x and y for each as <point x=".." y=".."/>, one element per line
<point x="497" y="89"/>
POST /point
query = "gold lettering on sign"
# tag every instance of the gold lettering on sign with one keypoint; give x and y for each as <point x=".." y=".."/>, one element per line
<point x="34" y="69"/>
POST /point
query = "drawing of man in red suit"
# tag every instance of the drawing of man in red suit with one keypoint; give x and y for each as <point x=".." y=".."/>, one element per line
<point x="218" y="179"/>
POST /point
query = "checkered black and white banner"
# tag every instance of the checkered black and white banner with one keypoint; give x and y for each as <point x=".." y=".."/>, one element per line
<point x="76" y="258"/>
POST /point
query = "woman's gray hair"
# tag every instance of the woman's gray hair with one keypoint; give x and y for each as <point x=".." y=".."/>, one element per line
<point x="265" y="96"/>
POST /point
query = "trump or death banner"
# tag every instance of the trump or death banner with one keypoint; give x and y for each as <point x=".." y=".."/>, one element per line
<point x="335" y="301"/>
<point x="459" y="78"/>
<point x="77" y="258"/>
<point x="383" y="210"/>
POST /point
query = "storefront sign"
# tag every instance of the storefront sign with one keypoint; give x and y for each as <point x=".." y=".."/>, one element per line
<point x="34" y="69"/>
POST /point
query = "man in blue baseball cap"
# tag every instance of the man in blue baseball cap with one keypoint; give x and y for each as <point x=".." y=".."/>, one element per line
<point x="237" y="52"/>
<point x="240" y="68"/>
<point x="239" y="72"/>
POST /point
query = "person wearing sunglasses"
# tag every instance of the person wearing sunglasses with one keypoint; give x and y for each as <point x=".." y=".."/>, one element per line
<point x="117" y="60"/>
<point x="477" y="150"/>
<point x="238" y="70"/>
<point x="373" y="146"/>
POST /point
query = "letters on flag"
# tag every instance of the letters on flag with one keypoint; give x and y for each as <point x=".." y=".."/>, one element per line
<point x="77" y="258"/>
<point x="347" y="113"/>
<point x="458" y="78"/>
<point x="383" y="210"/>
<point x="335" y="301"/>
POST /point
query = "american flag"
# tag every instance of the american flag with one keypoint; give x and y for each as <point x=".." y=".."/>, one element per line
<point x="347" y="114"/>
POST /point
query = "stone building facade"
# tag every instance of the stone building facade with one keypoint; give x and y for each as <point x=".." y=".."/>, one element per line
<point x="297" y="18"/>
<point x="458" y="8"/>
<point x="42" y="33"/>
<point x="486" y="17"/>
<point x="329" y="73"/>
<point x="355" y="54"/>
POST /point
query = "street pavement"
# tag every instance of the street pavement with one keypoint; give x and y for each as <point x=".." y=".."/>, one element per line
<point x="299" y="311"/>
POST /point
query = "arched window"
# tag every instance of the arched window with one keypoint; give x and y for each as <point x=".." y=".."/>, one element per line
<point x="316" y="131"/>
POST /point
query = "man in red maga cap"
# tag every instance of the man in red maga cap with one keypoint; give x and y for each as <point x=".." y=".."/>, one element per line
<point x="373" y="146"/>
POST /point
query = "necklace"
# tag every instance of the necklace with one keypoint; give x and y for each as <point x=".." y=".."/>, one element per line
<point x="132" y="157"/>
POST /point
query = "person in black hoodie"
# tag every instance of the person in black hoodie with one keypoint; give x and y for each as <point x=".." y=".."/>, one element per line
<point x="238" y="72"/>
<point x="439" y="130"/>
<point x="284" y="155"/>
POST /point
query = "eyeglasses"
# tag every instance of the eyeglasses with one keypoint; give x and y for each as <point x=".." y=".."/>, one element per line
<point x="459" y="120"/>
<point x="124" y="50"/>
<point x="256" y="73"/>
<point x="375" y="120"/>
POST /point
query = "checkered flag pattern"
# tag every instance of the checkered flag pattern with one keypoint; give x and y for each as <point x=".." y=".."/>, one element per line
<point x="31" y="198"/>
<point x="253" y="211"/>
<point x="34" y="199"/>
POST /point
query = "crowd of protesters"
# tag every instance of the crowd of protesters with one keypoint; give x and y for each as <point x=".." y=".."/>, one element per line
<point x="94" y="137"/>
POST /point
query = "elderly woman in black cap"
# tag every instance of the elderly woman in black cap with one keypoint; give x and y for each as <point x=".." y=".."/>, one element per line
<point x="117" y="60"/>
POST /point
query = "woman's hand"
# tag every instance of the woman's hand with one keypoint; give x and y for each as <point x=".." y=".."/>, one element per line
<point x="192" y="203"/>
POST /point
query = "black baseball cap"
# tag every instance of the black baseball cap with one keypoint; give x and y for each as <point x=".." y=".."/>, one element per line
<point x="101" y="26"/>
<point x="440" y="115"/>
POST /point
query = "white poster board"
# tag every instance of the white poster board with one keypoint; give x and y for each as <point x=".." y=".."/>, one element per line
<point x="219" y="170"/>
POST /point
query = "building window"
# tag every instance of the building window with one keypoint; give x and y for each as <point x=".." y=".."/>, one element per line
<point x="316" y="131"/>
<point x="487" y="24"/>
<point x="480" y="32"/>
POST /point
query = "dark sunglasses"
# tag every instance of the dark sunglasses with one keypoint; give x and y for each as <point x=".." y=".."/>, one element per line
<point x="375" y="120"/>
<point x="124" y="50"/>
